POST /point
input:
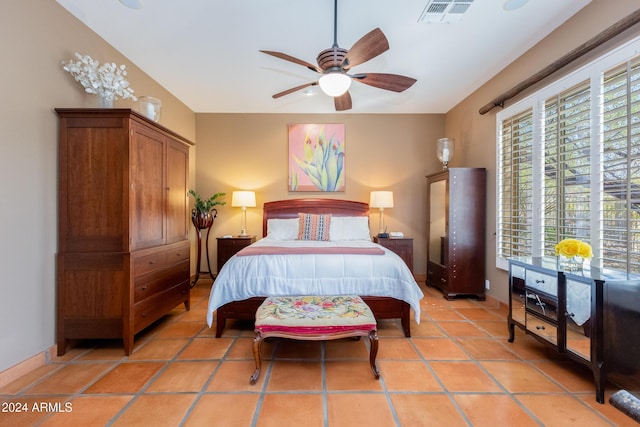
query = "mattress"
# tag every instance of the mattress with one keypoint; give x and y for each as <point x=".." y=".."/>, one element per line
<point x="328" y="273"/>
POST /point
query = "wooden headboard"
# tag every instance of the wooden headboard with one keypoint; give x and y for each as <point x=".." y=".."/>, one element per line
<point x="284" y="209"/>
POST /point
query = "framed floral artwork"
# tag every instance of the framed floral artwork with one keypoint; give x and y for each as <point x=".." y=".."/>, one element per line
<point x="316" y="157"/>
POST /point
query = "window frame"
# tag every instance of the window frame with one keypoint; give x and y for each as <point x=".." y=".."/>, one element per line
<point x="592" y="72"/>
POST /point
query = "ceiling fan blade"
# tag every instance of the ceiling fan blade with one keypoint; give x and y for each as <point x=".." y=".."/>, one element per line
<point x="392" y="82"/>
<point x="292" y="59"/>
<point x="368" y="47"/>
<point x="293" y="89"/>
<point x="342" y="102"/>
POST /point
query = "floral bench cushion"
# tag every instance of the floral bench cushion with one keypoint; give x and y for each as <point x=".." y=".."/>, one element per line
<point x="314" y="315"/>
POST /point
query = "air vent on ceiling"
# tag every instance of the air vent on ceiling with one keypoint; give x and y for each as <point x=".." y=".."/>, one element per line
<point x="444" y="11"/>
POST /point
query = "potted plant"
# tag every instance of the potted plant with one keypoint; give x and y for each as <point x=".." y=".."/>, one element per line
<point x="203" y="212"/>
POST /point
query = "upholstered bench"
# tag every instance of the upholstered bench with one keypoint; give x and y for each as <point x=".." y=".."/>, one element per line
<point x="315" y="318"/>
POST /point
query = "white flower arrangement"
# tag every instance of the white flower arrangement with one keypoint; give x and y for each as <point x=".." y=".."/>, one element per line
<point x="103" y="80"/>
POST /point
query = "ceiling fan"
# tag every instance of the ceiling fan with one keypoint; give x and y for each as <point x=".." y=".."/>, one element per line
<point x="335" y="62"/>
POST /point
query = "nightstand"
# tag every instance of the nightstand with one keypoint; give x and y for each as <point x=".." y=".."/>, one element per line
<point x="228" y="246"/>
<point x="402" y="246"/>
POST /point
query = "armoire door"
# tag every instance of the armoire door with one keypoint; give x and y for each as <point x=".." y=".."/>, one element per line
<point x="147" y="188"/>
<point x="178" y="218"/>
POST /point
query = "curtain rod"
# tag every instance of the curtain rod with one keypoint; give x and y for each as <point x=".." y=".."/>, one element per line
<point x="606" y="35"/>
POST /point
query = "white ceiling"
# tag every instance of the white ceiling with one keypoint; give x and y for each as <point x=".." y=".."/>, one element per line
<point x="206" y="52"/>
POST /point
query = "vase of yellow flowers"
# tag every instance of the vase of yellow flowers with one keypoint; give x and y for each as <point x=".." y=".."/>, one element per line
<point x="572" y="253"/>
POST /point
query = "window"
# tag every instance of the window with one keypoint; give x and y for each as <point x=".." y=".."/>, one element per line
<point x="516" y="184"/>
<point x="569" y="165"/>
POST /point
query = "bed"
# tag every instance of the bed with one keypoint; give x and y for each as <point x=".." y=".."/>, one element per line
<point x="354" y="265"/>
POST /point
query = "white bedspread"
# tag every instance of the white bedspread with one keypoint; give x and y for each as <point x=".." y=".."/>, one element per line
<point x="244" y="277"/>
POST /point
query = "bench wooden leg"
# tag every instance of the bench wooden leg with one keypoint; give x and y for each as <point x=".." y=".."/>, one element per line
<point x="257" y="341"/>
<point x="373" y="352"/>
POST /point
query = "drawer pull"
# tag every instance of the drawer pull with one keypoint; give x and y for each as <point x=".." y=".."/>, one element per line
<point x="152" y="262"/>
<point x="144" y="314"/>
<point x="540" y="327"/>
<point x="539" y="281"/>
<point x="144" y="288"/>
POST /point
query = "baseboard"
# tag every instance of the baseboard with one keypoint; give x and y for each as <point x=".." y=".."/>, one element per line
<point x="26" y="366"/>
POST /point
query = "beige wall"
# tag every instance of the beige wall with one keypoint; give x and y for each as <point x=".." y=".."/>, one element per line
<point x="477" y="133"/>
<point x="36" y="35"/>
<point x="389" y="152"/>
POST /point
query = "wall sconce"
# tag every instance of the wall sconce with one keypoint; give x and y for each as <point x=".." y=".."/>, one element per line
<point x="244" y="200"/>
<point x="446" y="149"/>
<point x="381" y="200"/>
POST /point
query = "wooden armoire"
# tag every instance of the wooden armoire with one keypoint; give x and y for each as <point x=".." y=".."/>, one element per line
<point x="456" y="223"/>
<point x="123" y="224"/>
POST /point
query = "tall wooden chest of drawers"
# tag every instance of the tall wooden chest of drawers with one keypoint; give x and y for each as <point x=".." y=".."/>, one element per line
<point x="123" y="224"/>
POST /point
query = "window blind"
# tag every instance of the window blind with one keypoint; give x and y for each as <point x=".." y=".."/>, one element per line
<point x="567" y="167"/>
<point x="516" y="184"/>
<point x="621" y="167"/>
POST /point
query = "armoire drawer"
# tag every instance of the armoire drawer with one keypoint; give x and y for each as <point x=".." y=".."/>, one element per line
<point x="436" y="276"/>
<point x="160" y="280"/>
<point x="146" y="263"/>
<point x="159" y="259"/>
<point x="150" y="309"/>
<point x="177" y="254"/>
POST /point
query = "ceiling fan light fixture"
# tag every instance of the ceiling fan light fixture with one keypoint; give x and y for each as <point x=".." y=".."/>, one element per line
<point x="335" y="83"/>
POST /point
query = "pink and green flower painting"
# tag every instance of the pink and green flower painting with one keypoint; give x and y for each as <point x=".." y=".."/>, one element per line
<point x="316" y="157"/>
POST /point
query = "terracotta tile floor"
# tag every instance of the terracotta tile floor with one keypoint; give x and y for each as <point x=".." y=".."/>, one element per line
<point x="457" y="370"/>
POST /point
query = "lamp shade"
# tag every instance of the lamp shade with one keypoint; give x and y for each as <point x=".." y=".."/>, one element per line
<point x="335" y="84"/>
<point x="245" y="199"/>
<point x="381" y="199"/>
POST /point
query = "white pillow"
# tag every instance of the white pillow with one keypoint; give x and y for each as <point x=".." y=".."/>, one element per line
<point x="349" y="228"/>
<point x="282" y="229"/>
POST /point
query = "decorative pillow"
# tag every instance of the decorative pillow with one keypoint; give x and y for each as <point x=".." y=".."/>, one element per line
<point x="350" y="228"/>
<point x="282" y="229"/>
<point x="314" y="227"/>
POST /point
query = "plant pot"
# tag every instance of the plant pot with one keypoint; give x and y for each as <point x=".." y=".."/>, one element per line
<point x="203" y="220"/>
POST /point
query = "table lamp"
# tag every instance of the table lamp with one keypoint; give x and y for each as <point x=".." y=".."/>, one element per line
<point x="381" y="200"/>
<point x="244" y="200"/>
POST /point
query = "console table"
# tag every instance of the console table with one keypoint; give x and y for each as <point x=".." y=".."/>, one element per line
<point x="585" y="314"/>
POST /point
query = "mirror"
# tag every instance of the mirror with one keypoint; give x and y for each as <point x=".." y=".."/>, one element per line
<point x="579" y="318"/>
<point x="437" y="221"/>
